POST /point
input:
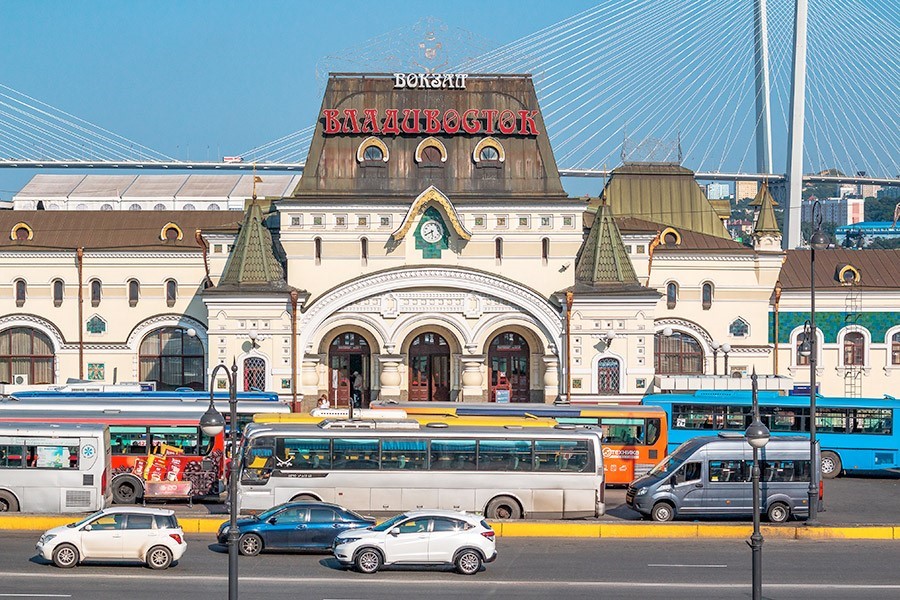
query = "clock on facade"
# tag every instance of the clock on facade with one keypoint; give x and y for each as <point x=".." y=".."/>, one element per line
<point x="432" y="232"/>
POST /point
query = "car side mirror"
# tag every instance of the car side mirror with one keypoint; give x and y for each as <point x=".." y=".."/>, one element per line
<point x="272" y="520"/>
<point x="395" y="531"/>
<point x="87" y="528"/>
<point x="673" y="481"/>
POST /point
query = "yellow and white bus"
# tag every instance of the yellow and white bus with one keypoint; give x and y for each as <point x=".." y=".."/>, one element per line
<point x="503" y="473"/>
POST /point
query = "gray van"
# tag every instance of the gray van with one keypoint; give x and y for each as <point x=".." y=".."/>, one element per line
<point x="710" y="476"/>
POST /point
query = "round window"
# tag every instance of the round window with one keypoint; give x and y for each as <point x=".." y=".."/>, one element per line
<point x="489" y="153"/>
<point x="373" y="153"/>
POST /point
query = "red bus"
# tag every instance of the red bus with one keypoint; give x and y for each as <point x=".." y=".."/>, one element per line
<point x="150" y="451"/>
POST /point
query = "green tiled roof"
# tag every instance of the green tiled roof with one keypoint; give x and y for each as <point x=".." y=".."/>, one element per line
<point x="603" y="260"/>
<point x="765" y="219"/>
<point x="665" y="194"/>
<point x="252" y="261"/>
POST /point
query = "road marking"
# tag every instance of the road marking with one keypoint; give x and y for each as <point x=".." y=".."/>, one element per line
<point x="549" y="583"/>
<point x="35" y="595"/>
<point x="689" y="566"/>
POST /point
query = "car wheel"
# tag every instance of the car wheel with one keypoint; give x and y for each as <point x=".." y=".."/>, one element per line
<point x="662" y="511"/>
<point x="125" y="491"/>
<point x="831" y="465"/>
<point x="367" y="560"/>
<point x="778" y="513"/>
<point x="503" y="507"/>
<point x="250" y="544"/>
<point x="468" y="562"/>
<point x="65" y="556"/>
<point x="8" y="502"/>
<point x="159" y="557"/>
<point x="304" y="498"/>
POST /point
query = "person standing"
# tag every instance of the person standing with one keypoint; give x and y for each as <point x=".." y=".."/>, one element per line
<point x="356" y="389"/>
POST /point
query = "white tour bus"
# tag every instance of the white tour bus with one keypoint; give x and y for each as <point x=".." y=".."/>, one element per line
<point x="54" y="468"/>
<point x="390" y="468"/>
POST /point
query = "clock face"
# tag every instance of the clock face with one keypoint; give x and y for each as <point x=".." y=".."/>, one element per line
<point x="432" y="232"/>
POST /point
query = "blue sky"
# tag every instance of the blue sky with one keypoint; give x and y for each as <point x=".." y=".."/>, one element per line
<point x="211" y="78"/>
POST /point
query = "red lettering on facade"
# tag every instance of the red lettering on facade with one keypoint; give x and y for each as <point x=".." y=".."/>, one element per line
<point x="370" y="124"/>
<point x="332" y="123"/>
<point x="351" y="121"/>
<point x="451" y="121"/>
<point x="432" y="120"/>
<point x="529" y="127"/>
<point x="490" y="115"/>
<point x="410" y="120"/>
<point x="470" y="122"/>
<point x="390" y="122"/>
<point x="507" y="122"/>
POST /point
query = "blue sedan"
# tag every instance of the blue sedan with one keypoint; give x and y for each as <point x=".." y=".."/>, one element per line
<point x="294" y="526"/>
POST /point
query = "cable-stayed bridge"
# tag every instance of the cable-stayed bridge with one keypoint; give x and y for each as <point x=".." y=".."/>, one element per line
<point x="713" y="85"/>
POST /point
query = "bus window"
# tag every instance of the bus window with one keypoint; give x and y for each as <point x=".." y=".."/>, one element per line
<point x="780" y="471"/>
<point x="185" y="439"/>
<point x="727" y="471"/>
<point x="833" y="420"/>
<point x="10" y="457"/>
<point x="52" y="457"/>
<point x="738" y="417"/>
<point x="128" y="440"/>
<point x="351" y="454"/>
<point x="453" y="455"/>
<point x="504" y="455"/>
<point x="404" y="454"/>
<point x="259" y="460"/>
<point x="562" y="455"/>
<point x="875" y="421"/>
<point x="693" y="416"/>
<point x="784" y="419"/>
<point x="653" y="431"/>
<point x="625" y="432"/>
<point x="303" y="453"/>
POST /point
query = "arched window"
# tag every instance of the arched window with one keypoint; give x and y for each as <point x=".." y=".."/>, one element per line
<point x="373" y="154"/>
<point x="498" y="250"/>
<point x="545" y="250"/>
<point x="678" y="354"/>
<point x="707" y="295"/>
<point x="213" y="206"/>
<point x="799" y="359"/>
<point x="431" y="157"/>
<point x="739" y="328"/>
<point x="134" y="292"/>
<point x="21" y="292"/>
<point x="895" y="349"/>
<point x="159" y="207"/>
<point x="318" y="250"/>
<point x="173" y="359"/>
<point x="171" y="292"/>
<point x="106" y="207"/>
<point x="134" y="207"/>
<point x="188" y="207"/>
<point x="96" y="292"/>
<point x="58" y="291"/>
<point x="364" y="250"/>
<point x="489" y="153"/>
<point x="671" y="295"/>
<point x="26" y="356"/>
<point x="608" y="376"/>
<point x="854" y="349"/>
<point x="254" y="374"/>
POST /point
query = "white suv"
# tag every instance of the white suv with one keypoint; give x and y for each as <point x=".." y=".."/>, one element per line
<point x="149" y="535"/>
<point x="425" y="537"/>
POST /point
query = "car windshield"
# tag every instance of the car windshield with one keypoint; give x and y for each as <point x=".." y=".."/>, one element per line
<point x="389" y="523"/>
<point x="350" y="515"/>
<point x="263" y="516"/>
<point x="667" y="465"/>
<point x="86" y="519"/>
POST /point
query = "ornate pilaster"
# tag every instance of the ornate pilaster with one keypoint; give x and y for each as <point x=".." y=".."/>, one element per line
<point x="389" y="378"/>
<point x="309" y="376"/>
<point x="551" y="377"/>
<point x="472" y="379"/>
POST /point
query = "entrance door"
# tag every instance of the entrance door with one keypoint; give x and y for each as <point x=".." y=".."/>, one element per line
<point x="429" y="368"/>
<point x="349" y="353"/>
<point x="509" y="355"/>
<point x="254" y="374"/>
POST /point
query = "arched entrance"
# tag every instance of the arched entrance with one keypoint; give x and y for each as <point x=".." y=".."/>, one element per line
<point x="429" y="368"/>
<point x="508" y="356"/>
<point x="349" y="354"/>
<point x="26" y="356"/>
<point x="173" y="359"/>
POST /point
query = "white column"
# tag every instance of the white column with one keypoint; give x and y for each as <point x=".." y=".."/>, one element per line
<point x="389" y="378"/>
<point x="795" y="131"/>
<point x="309" y="376"/>
<point x="472" y="379"/>
<point x="763" y="118"/>
<point x="551" y="378"/>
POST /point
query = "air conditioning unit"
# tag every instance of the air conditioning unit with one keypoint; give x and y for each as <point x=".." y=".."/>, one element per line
<point x="20" y="379"/>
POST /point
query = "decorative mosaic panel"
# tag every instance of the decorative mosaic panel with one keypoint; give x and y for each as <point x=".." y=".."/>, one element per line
<point x="831" y="322"/>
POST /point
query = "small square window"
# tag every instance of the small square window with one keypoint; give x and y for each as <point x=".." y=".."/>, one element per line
<point x="567" y="221"/>
<point x="628" y="249"/>
<point x="362" y="221"/>
<point x="480" y="221"/>
<point x="295" y="221"/>
<point x="523" y="221"/>
<point x="340" y="220"/>
<point x="501" y="221"/>
<point x="639" y="249"/>
<point x="230" y="247"/>
<point x="576" y="384"/>
<point x="318" y="220"/>
<point x="217" y="248"/>
<point x="385" y="221"/>
<point x="545" y="221"/>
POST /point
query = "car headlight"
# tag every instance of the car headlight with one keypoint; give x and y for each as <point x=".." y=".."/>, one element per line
<point x="225" y="529"/>
<point x="641" y="491"/>
<point x="347" y="540"/>
<point x="47" y="537"/>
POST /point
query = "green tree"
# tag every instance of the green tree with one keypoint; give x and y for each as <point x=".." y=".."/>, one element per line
<point x="880" y="209"/>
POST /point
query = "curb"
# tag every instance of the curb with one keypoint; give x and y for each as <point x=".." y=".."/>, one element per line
<point x="563" y="529"/>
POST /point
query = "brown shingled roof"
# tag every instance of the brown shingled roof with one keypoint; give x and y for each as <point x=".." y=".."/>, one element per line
<point x="878" y="269"/>
<point x="121" y="230"/>
<point x="690" y="240"/>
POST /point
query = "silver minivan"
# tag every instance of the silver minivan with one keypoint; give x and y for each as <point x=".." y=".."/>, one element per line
<point x="710" y="476"/>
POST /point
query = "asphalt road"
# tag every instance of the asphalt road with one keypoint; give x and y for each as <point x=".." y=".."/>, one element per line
<point x="526" y="568"/>
<point x="848" y="500"/>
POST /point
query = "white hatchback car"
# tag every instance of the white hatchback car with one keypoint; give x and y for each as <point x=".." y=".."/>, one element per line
<point x="149" y="535"/>
<point x="426" y="537"/>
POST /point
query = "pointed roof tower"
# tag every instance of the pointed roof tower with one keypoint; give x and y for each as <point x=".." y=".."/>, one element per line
<point x="253" y="266"/>
<point x="765" y="228"/>
<point x="603" y="260"/>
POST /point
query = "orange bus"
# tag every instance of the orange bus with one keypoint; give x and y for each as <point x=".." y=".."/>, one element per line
<point x="634" y="436"/>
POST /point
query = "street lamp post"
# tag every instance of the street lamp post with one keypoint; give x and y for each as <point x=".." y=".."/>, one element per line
<point x="715" y="349"/>
<point x="726" y="348"/>
<point x="757" y="436"/>
<point x="817" y="241"/>
<point x="212" y="423"/>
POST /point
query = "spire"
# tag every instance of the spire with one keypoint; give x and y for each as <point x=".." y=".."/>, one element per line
<point x="603" y="259"/>
<point x="252" y="262"/>
<point x="765" y="217"/>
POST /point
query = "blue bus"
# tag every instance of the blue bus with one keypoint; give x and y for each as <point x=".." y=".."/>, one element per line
<point x="855" y="434"/>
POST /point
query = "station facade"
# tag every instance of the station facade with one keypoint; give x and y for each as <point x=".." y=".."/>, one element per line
<point x="429" y="252"/>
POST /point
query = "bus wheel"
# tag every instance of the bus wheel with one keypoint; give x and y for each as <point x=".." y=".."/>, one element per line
<point x="503" y="507"/>
<point x="8" y="502"/>
<point x="778" y="513"/>
<point x="662" y="511"/>
<point x="125" y="491"/>
<point x="831" y="465"/>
